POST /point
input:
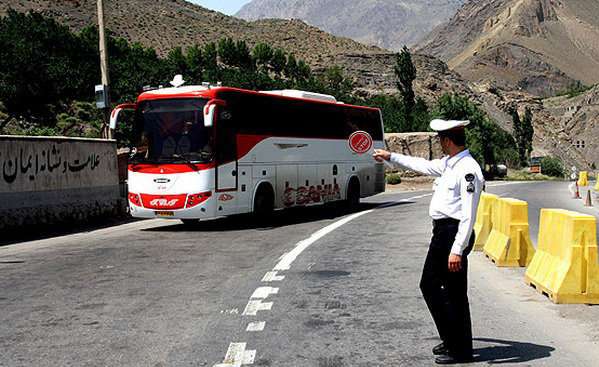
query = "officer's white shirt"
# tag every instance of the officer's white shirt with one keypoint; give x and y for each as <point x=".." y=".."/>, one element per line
<point x="453" y="198"/>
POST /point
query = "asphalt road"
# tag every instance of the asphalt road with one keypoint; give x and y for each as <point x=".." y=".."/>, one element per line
<point x="315" y="288"/>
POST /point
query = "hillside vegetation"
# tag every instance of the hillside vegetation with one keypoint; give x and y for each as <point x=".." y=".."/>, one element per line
<point x="41" y="52"/>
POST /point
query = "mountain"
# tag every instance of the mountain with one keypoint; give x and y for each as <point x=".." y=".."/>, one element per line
<point x="165" y="24"/>
<point x="541" y="46"/>
<point x="385" y="23"/>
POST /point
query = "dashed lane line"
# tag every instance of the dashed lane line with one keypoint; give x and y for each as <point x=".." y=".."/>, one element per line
<point x="256" y="326"/>
<point x="236" y="354"/>
<point x="254" y="306"/>
<point x="272" y="276"/>
<point x="264" y="292"/>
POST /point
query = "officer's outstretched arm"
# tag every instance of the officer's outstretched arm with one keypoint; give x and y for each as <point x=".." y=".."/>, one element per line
<point x="421" y="165"/>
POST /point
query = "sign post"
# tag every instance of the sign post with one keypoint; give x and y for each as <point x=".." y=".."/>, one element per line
<point x="106" y="131"/>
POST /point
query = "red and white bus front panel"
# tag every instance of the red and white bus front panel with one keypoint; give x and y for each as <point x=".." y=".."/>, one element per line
<point x="172" y="190"/>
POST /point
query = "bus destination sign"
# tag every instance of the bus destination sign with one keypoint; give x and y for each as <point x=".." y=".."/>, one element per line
<point x="360" y="142"/>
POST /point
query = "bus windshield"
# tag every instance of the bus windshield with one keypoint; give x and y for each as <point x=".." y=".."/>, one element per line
<point x="172" y="131"/>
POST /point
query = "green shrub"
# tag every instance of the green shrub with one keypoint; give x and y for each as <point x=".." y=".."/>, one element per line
<point x="393" y="178"/>
<point x="552" y="166"/>
<point x="525" y="175"/>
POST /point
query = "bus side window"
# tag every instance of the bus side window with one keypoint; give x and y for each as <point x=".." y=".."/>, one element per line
<point x="226" y="147"/>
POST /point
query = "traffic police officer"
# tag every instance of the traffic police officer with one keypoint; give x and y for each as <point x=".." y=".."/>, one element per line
<point x="453" y="210"/>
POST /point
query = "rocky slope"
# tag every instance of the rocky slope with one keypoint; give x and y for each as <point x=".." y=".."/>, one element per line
<point x="386" y="23"/>
<point x="540" y="46"/>
<point x="164" y="24"/>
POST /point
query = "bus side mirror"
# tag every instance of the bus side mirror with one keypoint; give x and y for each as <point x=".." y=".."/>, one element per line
<point x="114" y="116"/>
<point x="210" y="110"/>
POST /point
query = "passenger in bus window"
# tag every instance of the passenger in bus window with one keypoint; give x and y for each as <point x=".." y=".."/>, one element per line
<point x="184" y="142"/>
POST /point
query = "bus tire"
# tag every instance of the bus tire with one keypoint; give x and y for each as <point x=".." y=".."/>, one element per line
<point x="352" y="200"/>
<point x="264" y="202"/>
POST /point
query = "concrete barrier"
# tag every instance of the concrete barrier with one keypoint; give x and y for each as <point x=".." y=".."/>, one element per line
<point x="45" y="180"/>
<point x="583" y="179"/>
<point x="565" y="266"/>
<point x="509" y="243"/>
<point x="484" y="222"/>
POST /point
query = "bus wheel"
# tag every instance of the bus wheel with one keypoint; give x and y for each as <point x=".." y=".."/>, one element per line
<point x="353" y="194"/>
<point x="264" y="202"/>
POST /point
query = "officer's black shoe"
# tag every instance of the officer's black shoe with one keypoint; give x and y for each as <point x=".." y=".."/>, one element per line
<point x="449" y="359"/>
<point x="440" y="349"/>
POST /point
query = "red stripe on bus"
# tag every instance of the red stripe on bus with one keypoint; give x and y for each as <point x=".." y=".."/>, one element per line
<point x="245" y="143"/>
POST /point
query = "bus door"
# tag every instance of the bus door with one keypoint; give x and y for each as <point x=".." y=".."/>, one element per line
<point x="226" y="180"/>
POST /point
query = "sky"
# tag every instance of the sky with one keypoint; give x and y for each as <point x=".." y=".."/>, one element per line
<point x="228" y="7"/>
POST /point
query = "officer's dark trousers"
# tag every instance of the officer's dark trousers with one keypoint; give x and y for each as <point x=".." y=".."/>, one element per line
<point x="445" y="293"/>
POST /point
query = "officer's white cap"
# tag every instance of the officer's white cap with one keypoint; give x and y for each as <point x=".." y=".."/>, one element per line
<point x="443" y="125"/>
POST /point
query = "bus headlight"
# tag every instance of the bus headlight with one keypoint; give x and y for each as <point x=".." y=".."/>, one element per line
<point x="197" y="199"/>
<point x="134" y="199"/>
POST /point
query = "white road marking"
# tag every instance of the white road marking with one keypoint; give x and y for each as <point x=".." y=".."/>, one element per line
<point x="272" y="276"/>
<point x="254" y="306"/>
<point x="256" y="326"/>
<point x="264" y="292"/>
<point x="289" y="258"/>
<point x="233" y="311"/>
<point x="237" y="356"/>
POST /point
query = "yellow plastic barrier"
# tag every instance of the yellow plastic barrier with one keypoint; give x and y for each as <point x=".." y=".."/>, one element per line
<point x="484" y="223"/>
<point x="565" y="266"/>
<point x="509" y="242"/>
<point x="583" y="178"/>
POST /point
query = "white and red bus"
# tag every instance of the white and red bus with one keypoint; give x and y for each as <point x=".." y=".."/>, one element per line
<point x="206" y="152"/>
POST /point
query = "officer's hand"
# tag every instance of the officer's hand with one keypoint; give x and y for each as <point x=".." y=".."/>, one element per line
<point x="455" y="263"/>
<point x="380" y="155"/>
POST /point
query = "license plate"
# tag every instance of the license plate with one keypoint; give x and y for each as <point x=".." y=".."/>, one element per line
<point x="165" y="214"/>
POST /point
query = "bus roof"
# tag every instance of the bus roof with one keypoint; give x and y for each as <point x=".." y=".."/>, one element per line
<point x="200" y="91"/>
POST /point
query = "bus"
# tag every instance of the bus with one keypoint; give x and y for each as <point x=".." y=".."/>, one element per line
<point x="206" y="151"/>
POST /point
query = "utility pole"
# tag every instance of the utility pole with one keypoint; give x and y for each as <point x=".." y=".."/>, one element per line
<point x="106" y="132"/>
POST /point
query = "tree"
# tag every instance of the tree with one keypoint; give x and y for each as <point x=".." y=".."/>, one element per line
<point x="195" y="64"/>
<point x="177" y="63"/>
<point x="227" y="52"/>
<point x="43" y="66"/>
<point x="291" y="67"/>
<point x="523" y="134"/>
<point x="210" y="62"/>
<point x="336" y="84"/>
<point x="552" y="166"/>
<point x="392" y="111"/>
<point x="527" y="132"/>
<point x="303" y="72"/>
<point x="405" y="71"/>
<point x="263" y="55"/>
<point x="243" y="57"/>
<point x="278" y="62"/>
<point x="488" y="143"/>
